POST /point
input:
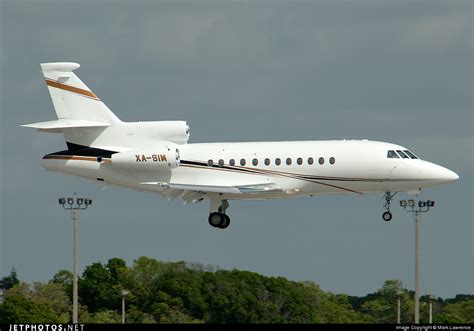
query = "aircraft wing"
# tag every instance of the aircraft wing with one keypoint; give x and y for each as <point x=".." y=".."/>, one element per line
<point x="256" y="188"/>
<point x="190" y="192"/>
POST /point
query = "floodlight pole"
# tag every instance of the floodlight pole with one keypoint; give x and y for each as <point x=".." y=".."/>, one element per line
<point x="430" y="302"/>
<point x="399" y="293"/>
<point x="124" y="294"/>
<point x="417" y="268"/>
<point x="423" y="207"/>
<point x="74" y="279"/>
<point x="398" y="310"/>
<point x="74" y="204"/>
<point x="123" y="309"/>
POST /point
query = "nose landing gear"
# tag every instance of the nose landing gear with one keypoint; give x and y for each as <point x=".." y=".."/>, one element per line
<point x="387" y="216"/>
<point x="388" y="196"/>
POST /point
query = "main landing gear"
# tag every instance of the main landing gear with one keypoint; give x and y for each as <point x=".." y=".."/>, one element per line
<point x="388" y="196"/>
<point x="219" y="220"/>
<point x="217" y="217"/>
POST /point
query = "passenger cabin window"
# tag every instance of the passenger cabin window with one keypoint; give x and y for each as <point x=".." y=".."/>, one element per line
<point x="321" y="160"/>
<point x="267" y="161"/>
<point x="221" y="162"/>
<point x="392" y="155"/>
<point x="242" y="162"/>
<point x="332" y="160"/>
<point x="232" y="162"/>
<point x="255" y="162"/>
<point x="288" y="161"/>
<point x="310" y="160"/>
<point x="210" y="163"/>
<point x="277" y="161"/>
<point x="299" y="161"/>
<point x="410" y="154"/>
<point x="403" y="155"/>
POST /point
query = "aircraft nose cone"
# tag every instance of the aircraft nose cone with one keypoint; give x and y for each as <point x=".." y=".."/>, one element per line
<point x="445" y="175"/>
<point x="450" y="175"/>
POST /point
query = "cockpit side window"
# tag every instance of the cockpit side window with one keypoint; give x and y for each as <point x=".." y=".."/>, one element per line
<point x="410" y="154"/>
<point x="403" y="155"/>
<point x="392" y="155"/>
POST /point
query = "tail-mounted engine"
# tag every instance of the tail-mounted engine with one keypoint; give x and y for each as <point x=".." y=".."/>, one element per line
<point x="174" y="131"/>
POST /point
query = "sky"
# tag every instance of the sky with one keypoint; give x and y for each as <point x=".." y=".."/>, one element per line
<point x="394" y="71"/>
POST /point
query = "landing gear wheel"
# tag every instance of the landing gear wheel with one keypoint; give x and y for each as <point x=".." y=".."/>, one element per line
<point x="225" y="221"/>
<point x="215" y="219"/>
<point x="387" y="216"/>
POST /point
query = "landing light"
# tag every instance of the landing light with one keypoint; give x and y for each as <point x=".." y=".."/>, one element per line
<point x="80" y="201"/>
<point x="430" y="203"/>
<point x="421" y="203"/>
<point x="62" y="201"/>
<point x="411" y="203"/>
<point x="70" y="201"/>
<point x="403" y="203"/>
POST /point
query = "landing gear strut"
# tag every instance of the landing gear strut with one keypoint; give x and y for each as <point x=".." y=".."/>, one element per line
<point x="388" y="196"/>
<point x="217" y="217"/>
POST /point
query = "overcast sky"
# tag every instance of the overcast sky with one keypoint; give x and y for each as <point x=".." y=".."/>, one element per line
<point x="395" y="71"/>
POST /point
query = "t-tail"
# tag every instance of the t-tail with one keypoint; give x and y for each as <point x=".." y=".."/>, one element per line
<point x="87" y="122"/>
<point x="82" y="116"/>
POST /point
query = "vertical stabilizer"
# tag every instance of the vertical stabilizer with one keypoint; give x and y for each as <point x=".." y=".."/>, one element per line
<point x="86" y="121"/>
<point x="72" y="99"/>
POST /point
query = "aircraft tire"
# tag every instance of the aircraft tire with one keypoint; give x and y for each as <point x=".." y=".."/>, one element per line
<point x="215" y="219"/>
<point x="225" y="221"/>
<point x="387" y="216"/>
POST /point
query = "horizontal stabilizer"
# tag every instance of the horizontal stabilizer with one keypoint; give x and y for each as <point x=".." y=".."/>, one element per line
<point x="256" y="188"/>
<point x="57" y="125"/>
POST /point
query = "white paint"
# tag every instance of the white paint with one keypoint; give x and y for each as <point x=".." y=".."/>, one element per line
<point x="214" y="170"/>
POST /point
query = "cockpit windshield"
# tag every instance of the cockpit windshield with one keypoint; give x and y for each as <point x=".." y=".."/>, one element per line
<point x="392" y="155"/>
<point x="405" y="154"/>
<point x="410" y="154"/>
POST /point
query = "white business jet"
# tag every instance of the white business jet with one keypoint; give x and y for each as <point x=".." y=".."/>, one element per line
<point x="155" y="156"/>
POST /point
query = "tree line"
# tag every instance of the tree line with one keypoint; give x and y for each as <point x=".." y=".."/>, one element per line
<point x="179" y="292"/>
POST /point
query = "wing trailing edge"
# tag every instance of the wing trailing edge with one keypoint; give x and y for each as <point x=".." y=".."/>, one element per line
<point x="238" y="189"/>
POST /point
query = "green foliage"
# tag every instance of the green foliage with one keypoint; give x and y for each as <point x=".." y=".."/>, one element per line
<point x="460" y="297"/>
<point x="9" y="281"/>
<point x="17" y="309"/>
<point x="336" y="309"/>
<point x="163" y="292"/>
<point x="457" y="312"/>
<point x="165" y="314"/>
<point x="99" y="287"/>
<point x="51" y="297"/>
<point x="115" y="266"/>
<point x="135" y="315"/>
<point x="63" y="277"/>
<point x="381" y="307"/>
<point x="102" y="317"/>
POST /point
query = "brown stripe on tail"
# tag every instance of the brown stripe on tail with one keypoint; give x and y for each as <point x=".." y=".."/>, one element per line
<point x="72" y="89"/>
